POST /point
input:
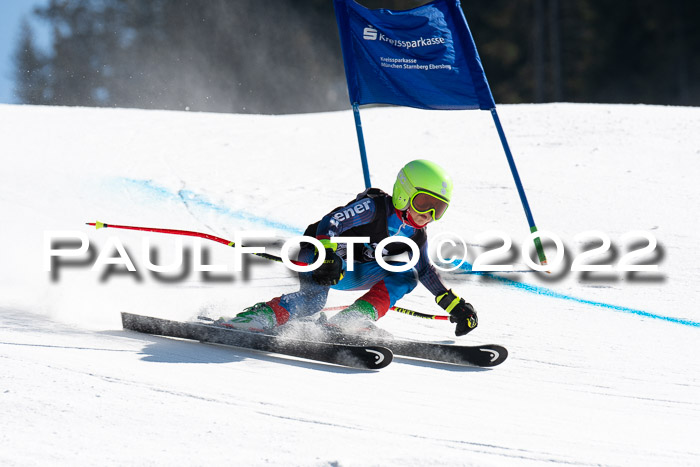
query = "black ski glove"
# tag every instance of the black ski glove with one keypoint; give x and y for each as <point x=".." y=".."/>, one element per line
<point x="461" y="312"/>
<point x="331" y="271"/>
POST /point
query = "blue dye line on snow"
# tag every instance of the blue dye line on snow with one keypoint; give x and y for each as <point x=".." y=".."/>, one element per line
<point x="191" y="198"/>
<point x="467" y="268"/>
<point x="623" y="309"/>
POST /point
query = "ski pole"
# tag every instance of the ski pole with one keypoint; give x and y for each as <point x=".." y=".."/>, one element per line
<point x="418" y="314"/>
<point x="189" y="233"/>
<point x="405" y="311"/>
<point x="395" y="308"/>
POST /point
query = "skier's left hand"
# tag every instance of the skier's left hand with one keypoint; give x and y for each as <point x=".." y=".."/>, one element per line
<point x="465" y="316"/>
<point x="331" y="271"/>
<point x="461" y="312"/>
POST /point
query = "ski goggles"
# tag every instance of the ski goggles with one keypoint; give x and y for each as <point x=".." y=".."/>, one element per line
<point x="424" y="202"/>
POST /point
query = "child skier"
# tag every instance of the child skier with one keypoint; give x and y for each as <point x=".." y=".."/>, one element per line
<point x="421" y="195"/>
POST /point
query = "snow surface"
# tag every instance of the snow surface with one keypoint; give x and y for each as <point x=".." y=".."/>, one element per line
<point x="603" y="367"/>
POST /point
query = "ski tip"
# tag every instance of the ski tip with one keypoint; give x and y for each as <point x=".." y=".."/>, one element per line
<point x="377" y="357"/>
<point x="492" y="355"/>
<point x="362" y="357"/>
<point x="98" y="224"/>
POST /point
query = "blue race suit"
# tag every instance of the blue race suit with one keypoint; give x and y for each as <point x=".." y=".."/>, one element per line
<point x="372" y="215"/>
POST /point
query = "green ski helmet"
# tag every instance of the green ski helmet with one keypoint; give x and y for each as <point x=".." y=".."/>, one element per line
<point x="421" y="176"/>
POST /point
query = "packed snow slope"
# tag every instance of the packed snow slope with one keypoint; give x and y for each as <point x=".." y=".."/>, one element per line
<point x="603" y="366"/>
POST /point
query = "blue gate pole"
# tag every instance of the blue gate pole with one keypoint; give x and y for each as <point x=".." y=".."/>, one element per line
<point x="361" y="142"/>
<point x="519" y="186"/>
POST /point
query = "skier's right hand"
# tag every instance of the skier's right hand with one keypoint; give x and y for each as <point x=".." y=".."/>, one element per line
<point x="461" y="312"/>
<point x="331" y="271"/>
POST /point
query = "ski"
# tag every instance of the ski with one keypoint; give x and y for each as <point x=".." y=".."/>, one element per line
<point x="360" y="356"/>
<point x="486" y="355"/>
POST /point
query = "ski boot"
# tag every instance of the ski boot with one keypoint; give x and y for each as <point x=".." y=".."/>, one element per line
<point x="357" y="319"/>
<point x="259" y="317"/>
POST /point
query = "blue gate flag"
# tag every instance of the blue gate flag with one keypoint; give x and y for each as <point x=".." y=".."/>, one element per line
<point x="424" y="57"/>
